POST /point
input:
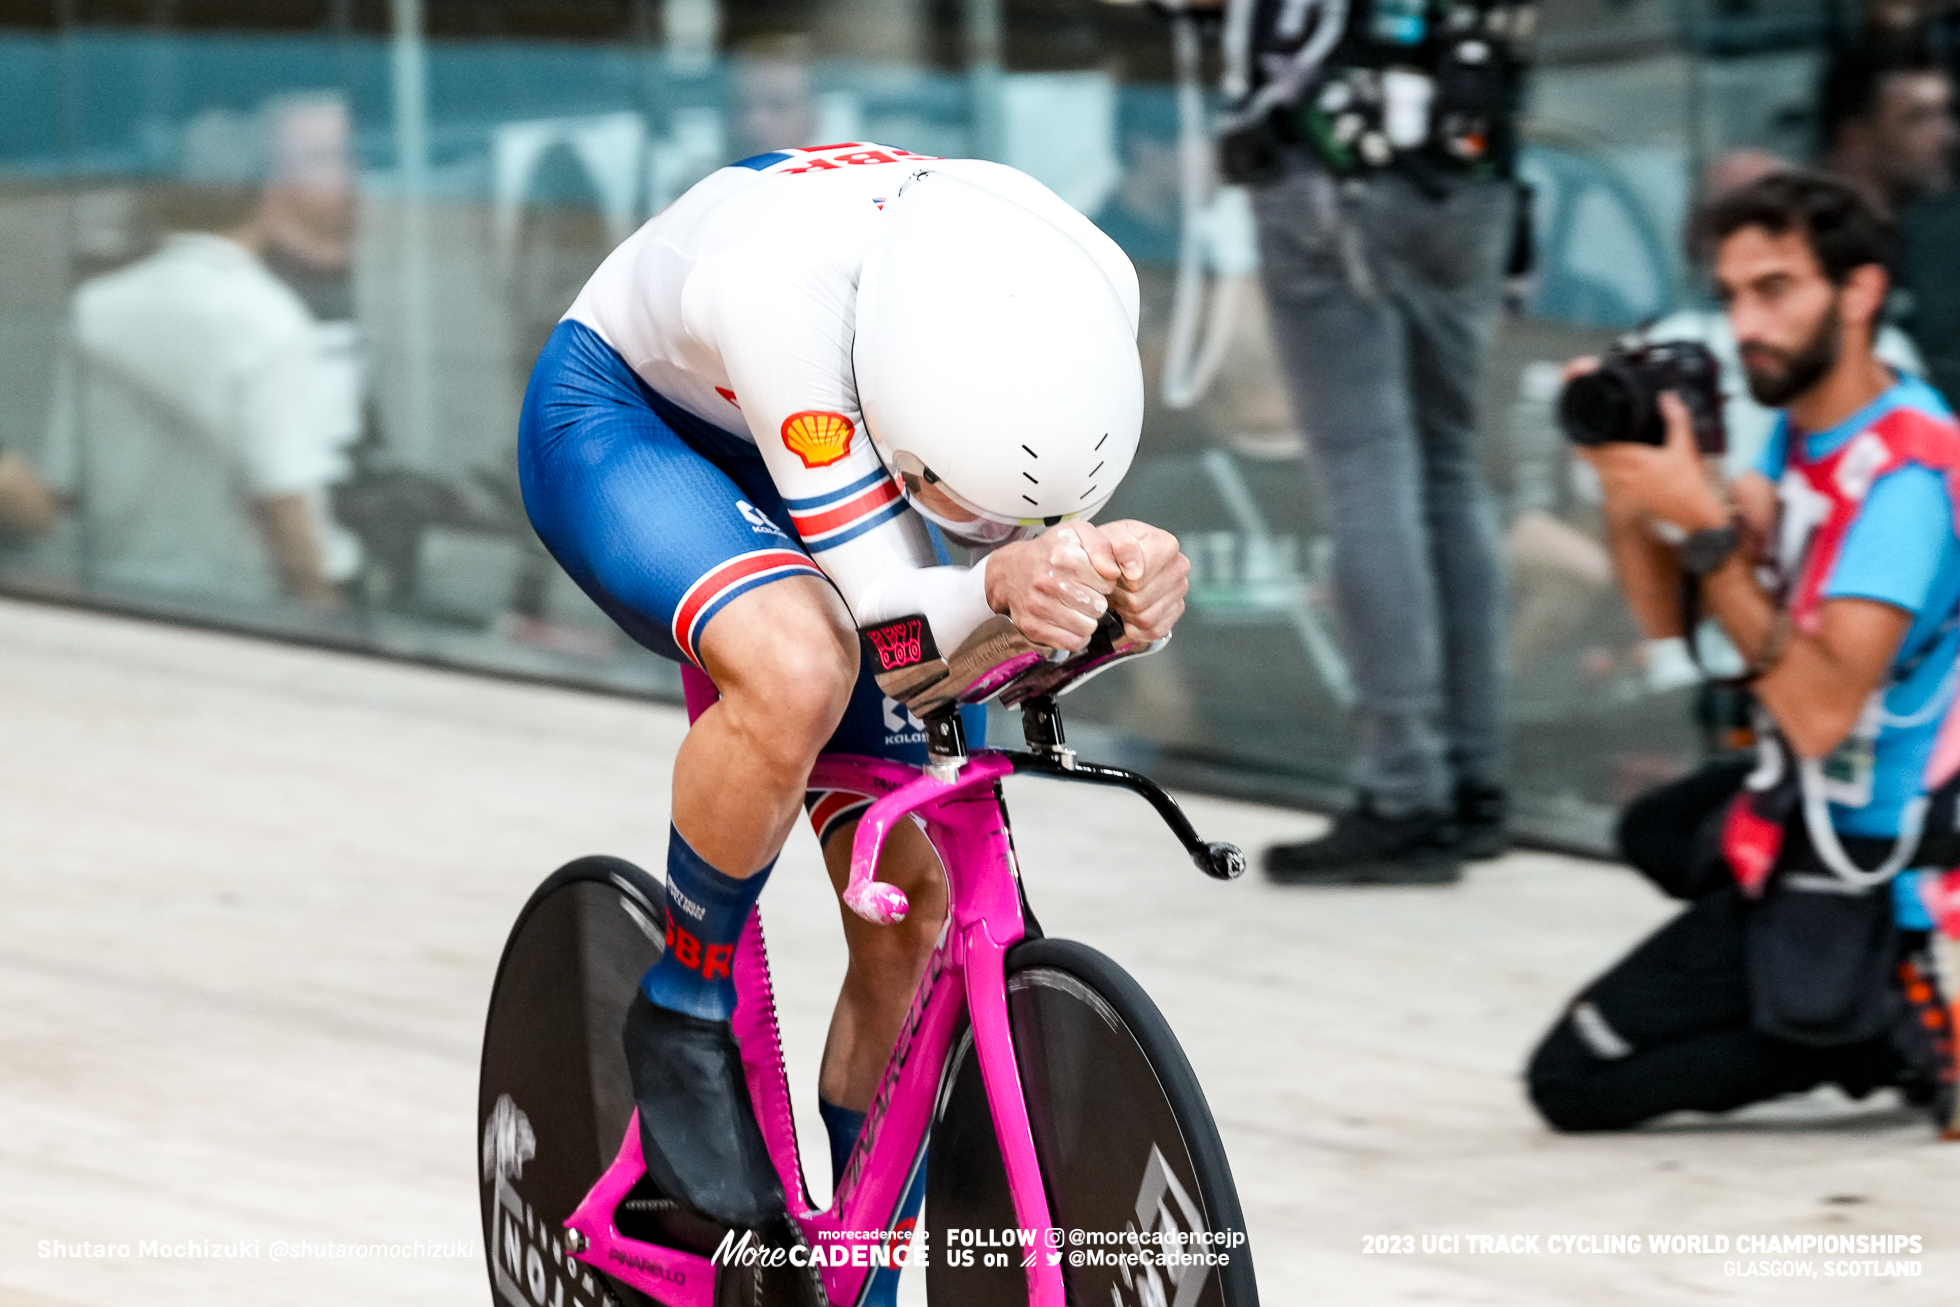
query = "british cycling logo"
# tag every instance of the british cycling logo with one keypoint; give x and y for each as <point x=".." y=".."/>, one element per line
<point x="758" y="520"/>
<point x="686" y="904"/>
<point x="528" y="1264"/>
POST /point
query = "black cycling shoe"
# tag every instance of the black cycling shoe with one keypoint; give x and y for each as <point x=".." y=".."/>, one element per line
<point x="697" y="1126"/>
<point x="1481" y="810"/>
<point x="1366" y="847"/>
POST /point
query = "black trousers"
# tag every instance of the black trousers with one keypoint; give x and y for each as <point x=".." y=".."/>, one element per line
<point x="1667" y="1028"/>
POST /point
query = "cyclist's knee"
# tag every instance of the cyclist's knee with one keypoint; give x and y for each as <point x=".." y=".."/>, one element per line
<point x="805" y="686"/>
<point x="785" y="659"/>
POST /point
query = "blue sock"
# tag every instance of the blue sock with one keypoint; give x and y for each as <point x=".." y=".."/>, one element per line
<point x="705" y="915"/>
<point x="843" y="1126"/>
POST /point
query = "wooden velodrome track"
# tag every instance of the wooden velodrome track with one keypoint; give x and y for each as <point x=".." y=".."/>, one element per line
<point x="251" y="898"/>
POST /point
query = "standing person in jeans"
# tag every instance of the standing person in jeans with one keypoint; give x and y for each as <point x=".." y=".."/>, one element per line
<point x="1380" y="146"/>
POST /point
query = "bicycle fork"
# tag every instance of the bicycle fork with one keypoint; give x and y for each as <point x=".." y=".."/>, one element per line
<point x="1000" y="1074"/>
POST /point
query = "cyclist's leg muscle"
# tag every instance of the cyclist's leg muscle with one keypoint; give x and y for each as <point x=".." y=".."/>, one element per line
<point x="676" y="531"/>
<point x="885" y="964"/>
<point x="784" y="657"/>
<point x="886" y="961"/>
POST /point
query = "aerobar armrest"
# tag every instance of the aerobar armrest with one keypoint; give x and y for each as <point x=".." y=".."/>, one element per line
<point x="1105" y="649"/>
<point x="909" y="667"/>
<point x="995" y="659"/>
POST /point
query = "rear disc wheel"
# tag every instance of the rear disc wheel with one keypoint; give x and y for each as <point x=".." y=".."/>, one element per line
<point x="553" y="1096"/>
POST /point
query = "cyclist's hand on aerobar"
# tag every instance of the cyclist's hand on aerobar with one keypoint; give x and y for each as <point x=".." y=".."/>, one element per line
<point x="1056" y="586"/>
<point x="1155" y="576"/>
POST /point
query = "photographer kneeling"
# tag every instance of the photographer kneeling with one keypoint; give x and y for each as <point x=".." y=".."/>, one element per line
<point x="1802" y="957"/>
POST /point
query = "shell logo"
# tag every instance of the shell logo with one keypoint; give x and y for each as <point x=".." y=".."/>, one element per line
<point x="817" y="437"/>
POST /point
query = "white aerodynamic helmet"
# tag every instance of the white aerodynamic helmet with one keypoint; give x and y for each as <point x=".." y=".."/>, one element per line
<point x="994" y="359"/>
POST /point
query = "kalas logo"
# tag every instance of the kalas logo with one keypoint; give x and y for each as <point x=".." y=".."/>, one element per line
<point x="817" y="437"/>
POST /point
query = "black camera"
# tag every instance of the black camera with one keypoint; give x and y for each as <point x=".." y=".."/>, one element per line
<point x="1620" y="400"/>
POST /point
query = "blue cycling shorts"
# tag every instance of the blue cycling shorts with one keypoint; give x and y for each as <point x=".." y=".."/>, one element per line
<point x="663" y="519"/>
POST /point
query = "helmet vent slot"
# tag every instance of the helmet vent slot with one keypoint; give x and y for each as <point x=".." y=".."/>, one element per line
<point x="1031" y="480"/>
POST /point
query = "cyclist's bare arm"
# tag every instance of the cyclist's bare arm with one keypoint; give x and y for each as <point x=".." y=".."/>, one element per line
<point x="291" y="530"/>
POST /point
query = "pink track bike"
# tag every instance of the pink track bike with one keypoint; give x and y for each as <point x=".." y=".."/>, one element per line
<point x="1071" y="1156"/>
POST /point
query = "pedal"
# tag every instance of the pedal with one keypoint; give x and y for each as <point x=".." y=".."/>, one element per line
<point x="649" y="1216"/>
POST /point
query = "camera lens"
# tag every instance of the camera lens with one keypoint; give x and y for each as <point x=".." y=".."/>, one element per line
<point x="1596" y="408"/>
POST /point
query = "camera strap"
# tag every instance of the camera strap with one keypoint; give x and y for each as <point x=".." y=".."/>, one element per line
<point x="1819" y="500"/>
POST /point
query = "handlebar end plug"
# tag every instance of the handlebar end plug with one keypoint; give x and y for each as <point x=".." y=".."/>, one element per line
<point x="877" y="902"/>
<point x="1220" y="861"/>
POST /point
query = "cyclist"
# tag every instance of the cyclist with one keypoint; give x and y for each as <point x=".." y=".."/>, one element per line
<point x="739" y="441"/>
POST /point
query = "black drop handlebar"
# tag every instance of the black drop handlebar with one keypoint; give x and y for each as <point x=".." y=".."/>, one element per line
<point x="1048" y="755"/>
<point x="1216" y="859"/>
<point x="997" y="660"/>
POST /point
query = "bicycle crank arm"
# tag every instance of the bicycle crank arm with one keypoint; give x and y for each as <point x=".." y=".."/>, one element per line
<point x="1216" y="859"/>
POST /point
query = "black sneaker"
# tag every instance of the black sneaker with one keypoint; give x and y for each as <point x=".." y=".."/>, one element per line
<point x="1481" y="809"/>
<point x="1367" y="848"/>
<point x="1932" y="1079"/>
<point x="697" y="1126"/>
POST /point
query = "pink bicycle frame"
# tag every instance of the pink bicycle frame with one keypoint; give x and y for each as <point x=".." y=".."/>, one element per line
<point x="967" y="975"/>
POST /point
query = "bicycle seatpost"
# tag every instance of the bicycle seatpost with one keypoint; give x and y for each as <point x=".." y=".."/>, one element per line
<point x="945" y="744"/>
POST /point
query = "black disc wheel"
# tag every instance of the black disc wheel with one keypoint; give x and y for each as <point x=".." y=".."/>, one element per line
<point x="1135" y="1173"/>
<point x="553" y="1097"/>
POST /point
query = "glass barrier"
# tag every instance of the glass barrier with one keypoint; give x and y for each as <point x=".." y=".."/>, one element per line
<point x="271" y="298"/>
